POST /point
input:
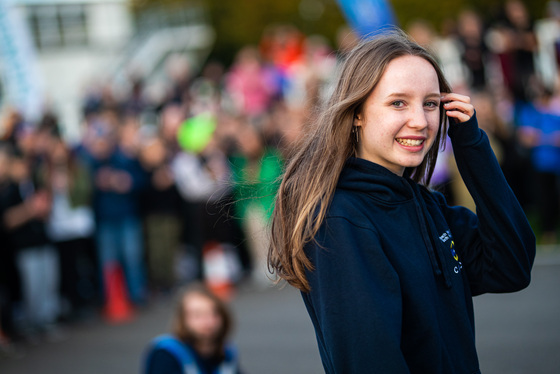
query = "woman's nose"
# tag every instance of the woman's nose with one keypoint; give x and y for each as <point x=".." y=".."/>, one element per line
<point x="418" y="117"/>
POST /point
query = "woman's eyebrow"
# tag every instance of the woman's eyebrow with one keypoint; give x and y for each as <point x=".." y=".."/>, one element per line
<point x="405" y="95"/>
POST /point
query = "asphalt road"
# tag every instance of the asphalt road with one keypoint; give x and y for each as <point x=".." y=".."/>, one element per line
<point x="516" y="334"/>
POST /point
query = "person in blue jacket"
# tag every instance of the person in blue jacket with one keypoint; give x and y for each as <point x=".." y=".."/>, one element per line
<point x="198" y="341"/>
<point x="387" y="269"/>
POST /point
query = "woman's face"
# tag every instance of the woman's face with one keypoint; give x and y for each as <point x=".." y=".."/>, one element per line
<point x="400" y="118"/>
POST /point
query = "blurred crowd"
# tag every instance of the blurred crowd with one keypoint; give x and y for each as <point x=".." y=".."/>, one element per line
<point x="175" y="182"/>
<point x="509" y="66"/>
<point x="168" y="184"/>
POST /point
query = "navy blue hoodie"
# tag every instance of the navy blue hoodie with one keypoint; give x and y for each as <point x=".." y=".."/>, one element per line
<point x="395" y="267"/>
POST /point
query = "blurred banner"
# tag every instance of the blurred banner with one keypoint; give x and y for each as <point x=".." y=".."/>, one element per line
<point x="367" y="16"/>
<point x="18" y="64"/>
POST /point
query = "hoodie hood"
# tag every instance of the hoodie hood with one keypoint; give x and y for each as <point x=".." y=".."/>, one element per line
<point x="391" y="191"/>
<point x="381" y="184"/>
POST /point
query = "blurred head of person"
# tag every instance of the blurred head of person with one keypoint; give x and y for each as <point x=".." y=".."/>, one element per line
<point x="421" y="32"/>
<point x="171" y="118"/>
<point x="128" y="134"/>
<point x="60" y="165"/>
<point x="60" y="153"/>
<point x="152" y="153"/>
<point x="10" y="123"/>
<point x="26" y="140"/>
<point x="249" y="58"/>
<point x="516" y="13"/>
<point x="202" y="320"/>
<point x="102" y="133"/>
<point x="44" y="141"/>
<point x="250" y="140"/>
<point x="469" y="25"/>
<point x="101" y="147"/>
<point x="178" y="68"/>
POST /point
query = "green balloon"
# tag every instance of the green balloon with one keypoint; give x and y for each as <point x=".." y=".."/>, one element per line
<point x="196" y="132"/>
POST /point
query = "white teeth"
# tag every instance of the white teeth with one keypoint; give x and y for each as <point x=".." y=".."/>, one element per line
<point x="410" y="142"/>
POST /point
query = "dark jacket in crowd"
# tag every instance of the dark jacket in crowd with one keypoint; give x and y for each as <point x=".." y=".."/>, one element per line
<point x="114" y="205"/>
<point x="30" y="234"/>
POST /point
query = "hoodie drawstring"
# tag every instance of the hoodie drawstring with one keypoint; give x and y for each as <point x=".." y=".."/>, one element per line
<point x="435" y="251"/>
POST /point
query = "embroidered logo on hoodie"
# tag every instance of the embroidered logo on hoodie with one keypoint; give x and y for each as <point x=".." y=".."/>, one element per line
<point x="446" y="236"/>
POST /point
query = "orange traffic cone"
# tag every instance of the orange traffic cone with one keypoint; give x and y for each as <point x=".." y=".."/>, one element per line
<point x="117" y="306"/>
<point x="217" y="270"/>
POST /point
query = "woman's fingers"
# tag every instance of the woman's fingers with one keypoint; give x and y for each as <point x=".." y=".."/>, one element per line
<point x="457" y="106"/>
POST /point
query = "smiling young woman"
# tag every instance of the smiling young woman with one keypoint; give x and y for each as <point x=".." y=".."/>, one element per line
<point x="386" y="268"/>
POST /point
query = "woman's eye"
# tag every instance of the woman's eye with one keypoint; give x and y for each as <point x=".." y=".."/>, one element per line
<point x="432" y="104"/>
<point x="398" y="103"/>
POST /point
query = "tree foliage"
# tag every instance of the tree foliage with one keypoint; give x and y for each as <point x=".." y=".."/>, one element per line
<point x="241" y="22"/>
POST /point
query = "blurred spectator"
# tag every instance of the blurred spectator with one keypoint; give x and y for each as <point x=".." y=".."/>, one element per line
<point x="499" y="139"/>
<point x="179" y="73"/>
<point x="26" y="205"/>
<point x="12" y="123"/>
<point x="251" y="84"/>
<point x="118" y="179"/>
<point x="135" y="103"/>
<point x="284" y="126"/>
<point x="547" y="31"/>
<point x="161" y="203"/>
<point x="198" y="342"/>
<point x="256" y="169"/>
<point x="539" y="128"/>
<point x="474" y="52"/>
<point x="307" y="76"/>
<point x="282" y="46"/>
<point x="201" y="173"/>
<point x="448" y="52"/>
<point x="516" y="43"/>
<point x="9" y="276"/>
<point x="446" y="48"/>
<point x="71" y="227"/>
<point x="422" y="32"/>
<point x="206" y="91"/>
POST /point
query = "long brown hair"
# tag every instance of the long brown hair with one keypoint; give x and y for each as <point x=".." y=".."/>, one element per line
<point x="313" y="170"/>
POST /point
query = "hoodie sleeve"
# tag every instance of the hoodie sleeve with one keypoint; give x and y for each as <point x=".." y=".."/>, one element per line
<point x="355" y="301"/>
<point x="497" y="245"/>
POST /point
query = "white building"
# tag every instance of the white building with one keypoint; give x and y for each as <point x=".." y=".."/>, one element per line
<point x="50" y="50"/>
